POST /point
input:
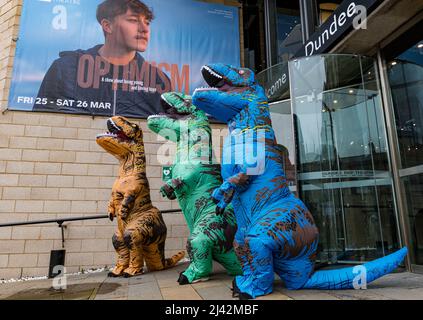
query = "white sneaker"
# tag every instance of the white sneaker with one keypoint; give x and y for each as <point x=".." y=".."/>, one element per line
<point x="201" y="280"/>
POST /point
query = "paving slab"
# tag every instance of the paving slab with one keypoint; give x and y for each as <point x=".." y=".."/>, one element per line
<point x="400" y="293"/>
<point x="145" y="291"/>
<point x="180" y="293"/>
<point x="308" y="295"/>
<point x="219" y="292"/>
<point x="147" y="277"/>
<point x="209" y="284"/>
<point x="275" y="295"/>
<point x="111" y="290"/>
<point x="358" y="295"/>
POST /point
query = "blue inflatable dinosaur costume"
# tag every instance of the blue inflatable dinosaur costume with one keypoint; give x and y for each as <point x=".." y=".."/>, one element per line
<point x="276" y="231"/>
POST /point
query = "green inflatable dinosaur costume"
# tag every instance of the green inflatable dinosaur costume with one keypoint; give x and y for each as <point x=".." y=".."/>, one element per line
<point x="194" y="177"/>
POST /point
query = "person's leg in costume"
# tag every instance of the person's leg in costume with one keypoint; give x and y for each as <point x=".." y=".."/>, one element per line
<point x="229" y="261"/>
<point x="255" y="255"/>
<point x="154" y="256"/>
<point x="294" y="273"/>
<point x="134" y="239"/>
<point x="122" y="251"/>
<point x="199" y="249"/>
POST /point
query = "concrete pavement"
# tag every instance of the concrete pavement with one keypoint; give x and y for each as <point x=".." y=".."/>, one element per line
<point x="163" y="286"/>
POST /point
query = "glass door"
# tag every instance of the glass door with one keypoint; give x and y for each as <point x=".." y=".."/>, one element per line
<point x="342" y="157"/>
<point x="405" y="75"/>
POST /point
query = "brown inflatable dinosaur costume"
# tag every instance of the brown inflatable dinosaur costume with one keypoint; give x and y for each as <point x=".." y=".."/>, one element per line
<point x="141" y="232"/>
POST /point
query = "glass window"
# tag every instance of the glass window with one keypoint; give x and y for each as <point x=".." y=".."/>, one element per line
<point x="405" y="74"/>
<point x="288" y="25"/>
<point x="283" y="30"/>
<point x="406" y="79"/>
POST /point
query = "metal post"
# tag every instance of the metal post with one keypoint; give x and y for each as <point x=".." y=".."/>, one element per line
<point x="268" y="32"/>
<point x="63" y="232"/>
<point x="394" y="157"/>
<point x="308" y="13"/>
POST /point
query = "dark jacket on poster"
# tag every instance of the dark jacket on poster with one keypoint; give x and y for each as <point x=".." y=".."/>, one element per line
<point x="82" y="82"/>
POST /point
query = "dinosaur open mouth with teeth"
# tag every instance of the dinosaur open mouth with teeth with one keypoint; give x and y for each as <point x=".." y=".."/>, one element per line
<point x="212" y="78"/>
<point x="114" y="132"/>
<point x="170" y="111"/>
<point x="215" y="81"/>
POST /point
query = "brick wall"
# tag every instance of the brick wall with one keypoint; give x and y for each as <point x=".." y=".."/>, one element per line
<point x="51" y="167"/>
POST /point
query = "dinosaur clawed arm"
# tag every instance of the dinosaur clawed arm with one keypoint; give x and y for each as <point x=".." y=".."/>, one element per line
<point x="168" y="190"/>
<point x="111" y="210"/>
<point x="126" y="205"/>
<point x="223" y="195"/>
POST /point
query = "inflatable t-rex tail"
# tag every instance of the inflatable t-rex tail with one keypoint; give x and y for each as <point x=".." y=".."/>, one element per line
<point x="345" y="278"/>
<point x="171" y="262"/>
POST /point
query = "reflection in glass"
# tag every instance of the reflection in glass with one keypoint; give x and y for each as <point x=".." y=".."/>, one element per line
<point x="343" y="165"/>
<point x="405" y="74"/>
<point x="289" y="36"/>
<point x="282" y="124"/>
<point x="406" y="80"/>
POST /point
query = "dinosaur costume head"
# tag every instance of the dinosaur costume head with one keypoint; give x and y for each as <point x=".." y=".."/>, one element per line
<point x="231" y="91"/>
<point x="179" y="111"/>
<point x="123" y="138"/>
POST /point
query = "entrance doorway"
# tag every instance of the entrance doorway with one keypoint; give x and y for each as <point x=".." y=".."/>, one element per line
<point x="343" y="172"/>
<point x="404" y="71"/>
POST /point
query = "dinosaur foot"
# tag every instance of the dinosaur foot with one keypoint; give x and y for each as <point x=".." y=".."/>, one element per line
<point x="114" y="275"/>
<point x="117" y="271"/>
<point x="235" y="289"/>
<point x="132" y="272"/>
<point x="183" y="280"/>
<point x="244" y="296"/>
<point x="129" y="275"/>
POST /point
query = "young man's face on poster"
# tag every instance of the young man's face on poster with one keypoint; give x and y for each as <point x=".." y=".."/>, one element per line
<point x="129" y="31"/>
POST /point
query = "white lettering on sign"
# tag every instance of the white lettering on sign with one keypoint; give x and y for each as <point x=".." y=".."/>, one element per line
<point x="359" y="13"/>
<point x="277" y="85"/>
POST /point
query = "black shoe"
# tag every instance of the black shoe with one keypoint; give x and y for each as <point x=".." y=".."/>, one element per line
<point x="183" y="280"/>
<point x="245" y="296"/>
<point x="112" y="275"/>
<point x="127" y="275"/>
<point x="235" y="289"/>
